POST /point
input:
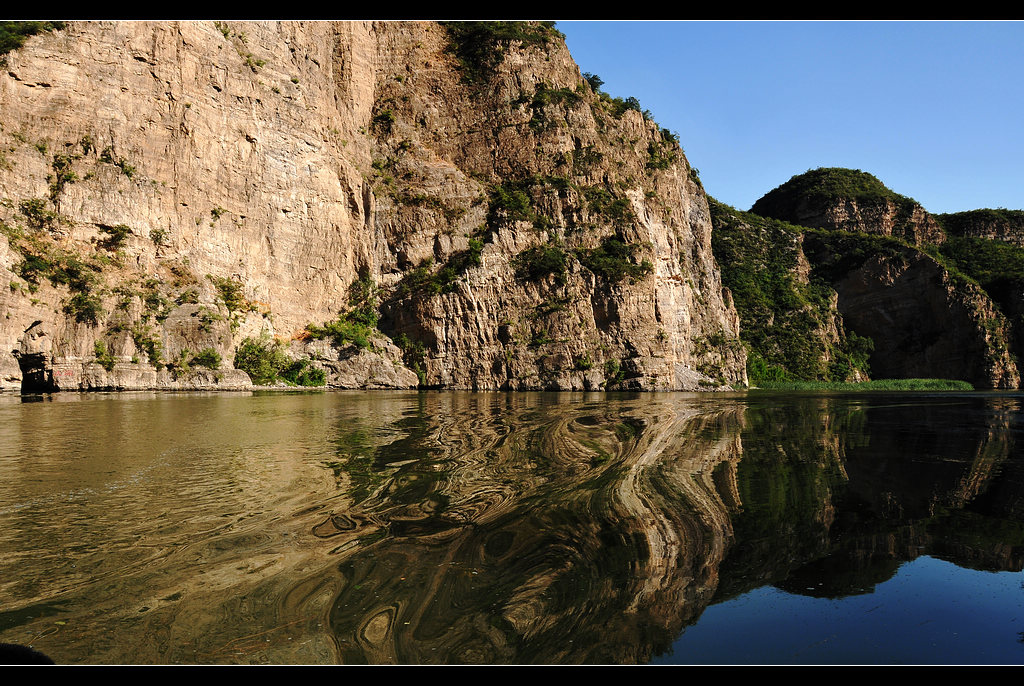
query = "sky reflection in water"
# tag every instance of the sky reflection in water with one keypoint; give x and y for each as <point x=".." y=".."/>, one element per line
<point x="931" y="612"/>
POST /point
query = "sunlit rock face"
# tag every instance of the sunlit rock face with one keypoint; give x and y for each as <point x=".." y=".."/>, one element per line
<point x="914" y="225"/>
<point x="841" y="199"/>
<point x="250" y="172"/>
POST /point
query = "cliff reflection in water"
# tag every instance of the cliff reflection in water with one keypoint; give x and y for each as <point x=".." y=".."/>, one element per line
<point x="596" y="532"/>
<point x="488" y="528"/>
<point x="537" y="531"/>
<point x="897" y="478"/>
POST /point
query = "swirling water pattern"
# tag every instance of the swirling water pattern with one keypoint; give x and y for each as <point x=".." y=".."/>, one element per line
<point x="431" y="527"/>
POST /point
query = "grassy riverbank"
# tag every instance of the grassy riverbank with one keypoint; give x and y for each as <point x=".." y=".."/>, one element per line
<point x="877" y="385"/>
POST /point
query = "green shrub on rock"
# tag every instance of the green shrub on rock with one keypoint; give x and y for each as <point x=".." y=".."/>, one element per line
<point x="208" y="358"/>
<point x="536" y="263"/>
<point x="14" y="33"/>
<point x="612" y="261"/>
<point x="262" y="359"/>
<point x="266" y="363"/>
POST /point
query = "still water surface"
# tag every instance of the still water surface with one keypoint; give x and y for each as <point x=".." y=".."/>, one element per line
<point x="390" y="527"/>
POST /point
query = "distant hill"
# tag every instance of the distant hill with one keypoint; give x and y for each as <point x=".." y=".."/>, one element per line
<point x="835" y="275"/>
<point x="848" y="200"/>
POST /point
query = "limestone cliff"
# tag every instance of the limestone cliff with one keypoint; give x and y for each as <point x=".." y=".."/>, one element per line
<point x="171" y="189"/>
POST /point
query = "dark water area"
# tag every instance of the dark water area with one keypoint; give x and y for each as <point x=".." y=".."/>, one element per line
<point x="495" y="528"/>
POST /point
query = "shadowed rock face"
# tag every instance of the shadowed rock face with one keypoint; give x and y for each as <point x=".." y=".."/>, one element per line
<point x="163" y="165"/>
<point x="926" y="325"/>
<point x="921" y="303"/>
<point x="801" y="291"/>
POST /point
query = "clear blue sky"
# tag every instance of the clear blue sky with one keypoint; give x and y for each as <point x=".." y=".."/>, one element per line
<point x="933" y="109"/>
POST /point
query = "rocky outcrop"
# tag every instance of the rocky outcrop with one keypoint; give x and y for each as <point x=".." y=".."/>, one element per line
<point x="849" y="200"/>
<point x="376" y="367"/>
<point x="176" y="187"/>
<point x="911" y="223"/>
<point x="999" y="225"/>
<point x="925" y="318"/>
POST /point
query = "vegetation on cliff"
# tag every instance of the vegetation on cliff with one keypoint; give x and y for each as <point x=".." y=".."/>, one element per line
<point x="480" y="45"/>
<point x="970" y="268"/>
<point x="836" y="253"/>
<point x="359" y="323"/>
<point x="266" y="363"/>
<point x="989" y="262"/>
<point x="14" y="33"/>
<point x="997" y="267"/>
<point x="786" y="321"/>
<point x="536" y="263"/>
<point x="615" y="260"/>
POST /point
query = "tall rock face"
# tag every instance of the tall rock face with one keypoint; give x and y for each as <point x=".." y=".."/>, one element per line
<point x="175" y="187"/>
<point x="849" y="200"/>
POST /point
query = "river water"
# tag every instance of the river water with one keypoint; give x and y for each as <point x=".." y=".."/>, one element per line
<point x="449" y="527"/>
